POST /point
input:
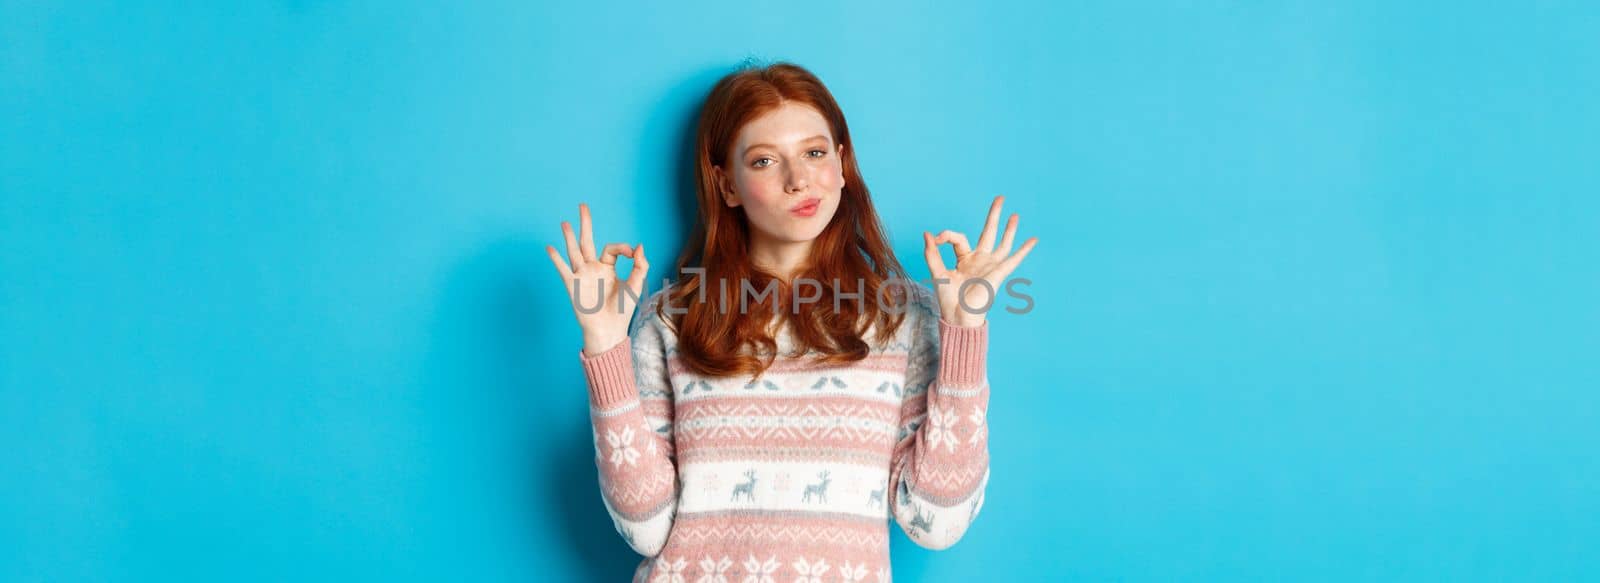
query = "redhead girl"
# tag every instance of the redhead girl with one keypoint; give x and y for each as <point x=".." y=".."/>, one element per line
<point x="767" y="415"/>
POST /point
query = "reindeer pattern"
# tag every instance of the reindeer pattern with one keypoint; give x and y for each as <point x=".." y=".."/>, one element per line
<point x="921" y="521"/>
<point x="820" y="489"/>
<point x="771" y="485"/>
<point x="748" y="487"/>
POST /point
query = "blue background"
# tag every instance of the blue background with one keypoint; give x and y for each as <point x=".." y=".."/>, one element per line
<point x="1315" y="291"/>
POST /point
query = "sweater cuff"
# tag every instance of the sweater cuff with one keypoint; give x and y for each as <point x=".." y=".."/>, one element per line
<point x="963" y="352"/>
<point x="610" y="375"/>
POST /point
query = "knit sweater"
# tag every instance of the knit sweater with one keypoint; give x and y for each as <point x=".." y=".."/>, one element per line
<point x="793" y="476"/>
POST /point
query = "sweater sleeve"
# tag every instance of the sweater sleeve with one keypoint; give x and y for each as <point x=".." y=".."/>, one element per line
<point x="940" y="465"/>
<point x="630" y="403"/>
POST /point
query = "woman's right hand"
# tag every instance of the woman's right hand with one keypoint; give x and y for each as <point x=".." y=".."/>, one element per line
<point x="606" y="327"/>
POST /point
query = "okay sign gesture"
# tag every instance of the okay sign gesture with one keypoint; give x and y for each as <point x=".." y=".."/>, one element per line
<point x="599" y="300"/>
<point x="986" y="263"/>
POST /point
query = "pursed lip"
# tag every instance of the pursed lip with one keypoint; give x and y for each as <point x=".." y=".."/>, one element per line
<point x="810" y="202"/>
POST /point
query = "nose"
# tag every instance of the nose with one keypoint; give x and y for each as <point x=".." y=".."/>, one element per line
<point x="795" y="182"/>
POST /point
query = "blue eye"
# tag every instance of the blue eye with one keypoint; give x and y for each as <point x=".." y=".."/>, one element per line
<point x="758" y="162"/>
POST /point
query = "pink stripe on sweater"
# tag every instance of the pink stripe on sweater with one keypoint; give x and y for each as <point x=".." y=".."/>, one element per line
<point x="884" y="362"/>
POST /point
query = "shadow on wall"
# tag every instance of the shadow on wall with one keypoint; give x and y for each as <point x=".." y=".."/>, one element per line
<point x="664" y="185"/>
<point x="664" y="196"/>
<point x="508" y="422"/>
<point x="505" y="396"/>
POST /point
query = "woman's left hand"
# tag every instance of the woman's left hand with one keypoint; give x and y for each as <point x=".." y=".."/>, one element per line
<point x="986" y="263"/>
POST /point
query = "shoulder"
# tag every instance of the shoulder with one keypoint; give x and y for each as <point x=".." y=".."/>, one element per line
<point x="655" y="298"/>
<point x="921" y="309"/>
<point x="649" y="324"/>
<point x="922" y="300"/>
<point x="918" y="336"/>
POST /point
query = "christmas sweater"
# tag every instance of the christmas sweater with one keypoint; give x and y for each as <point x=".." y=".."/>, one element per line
<point x="795" y="475"/>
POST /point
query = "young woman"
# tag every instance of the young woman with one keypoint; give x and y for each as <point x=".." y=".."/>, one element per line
<point x="766" y="415"/>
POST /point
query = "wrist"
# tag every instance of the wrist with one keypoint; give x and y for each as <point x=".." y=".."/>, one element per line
<point x="593" y="345"/>
<point x="965" y="319"/>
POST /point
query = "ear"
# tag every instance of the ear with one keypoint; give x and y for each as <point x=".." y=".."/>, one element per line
<point x="725" y="187"/>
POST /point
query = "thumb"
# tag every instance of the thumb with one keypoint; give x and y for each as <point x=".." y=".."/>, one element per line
<point x="641" y="268"/>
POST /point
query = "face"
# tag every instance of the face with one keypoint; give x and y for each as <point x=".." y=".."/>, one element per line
<point x="781" y="161"/>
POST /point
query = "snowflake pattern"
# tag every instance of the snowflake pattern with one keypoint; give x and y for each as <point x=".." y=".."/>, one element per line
<point x="977" y="419"/>
<point x="810" y="572"/>
<point x="669" y="571"/>
<point x="622" y="447"/>
<point x="760" y="572"/>
<point x="723" y="569"/>
<point x="714" y="571"/>
<point x="852" y="574"/>
<point x="941" y="427"/>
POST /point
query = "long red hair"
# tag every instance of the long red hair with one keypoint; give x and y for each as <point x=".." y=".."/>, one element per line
<point x="718" y="342"/>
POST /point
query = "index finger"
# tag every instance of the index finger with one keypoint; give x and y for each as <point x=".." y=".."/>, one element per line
<point x="561" y="265"/>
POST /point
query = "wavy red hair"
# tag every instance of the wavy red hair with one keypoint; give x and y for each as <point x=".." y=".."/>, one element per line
<point x="852" y="248"/>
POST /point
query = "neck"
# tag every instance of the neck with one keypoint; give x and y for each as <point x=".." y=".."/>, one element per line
<point x="782" y="258"/>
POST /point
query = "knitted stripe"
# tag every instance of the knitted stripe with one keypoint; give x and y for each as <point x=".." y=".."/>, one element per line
<point x="610" y="375"/>
<point x="963" y="351"/>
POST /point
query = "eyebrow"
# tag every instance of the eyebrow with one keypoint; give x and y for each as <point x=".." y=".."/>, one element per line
<point x="754" y="146"/>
